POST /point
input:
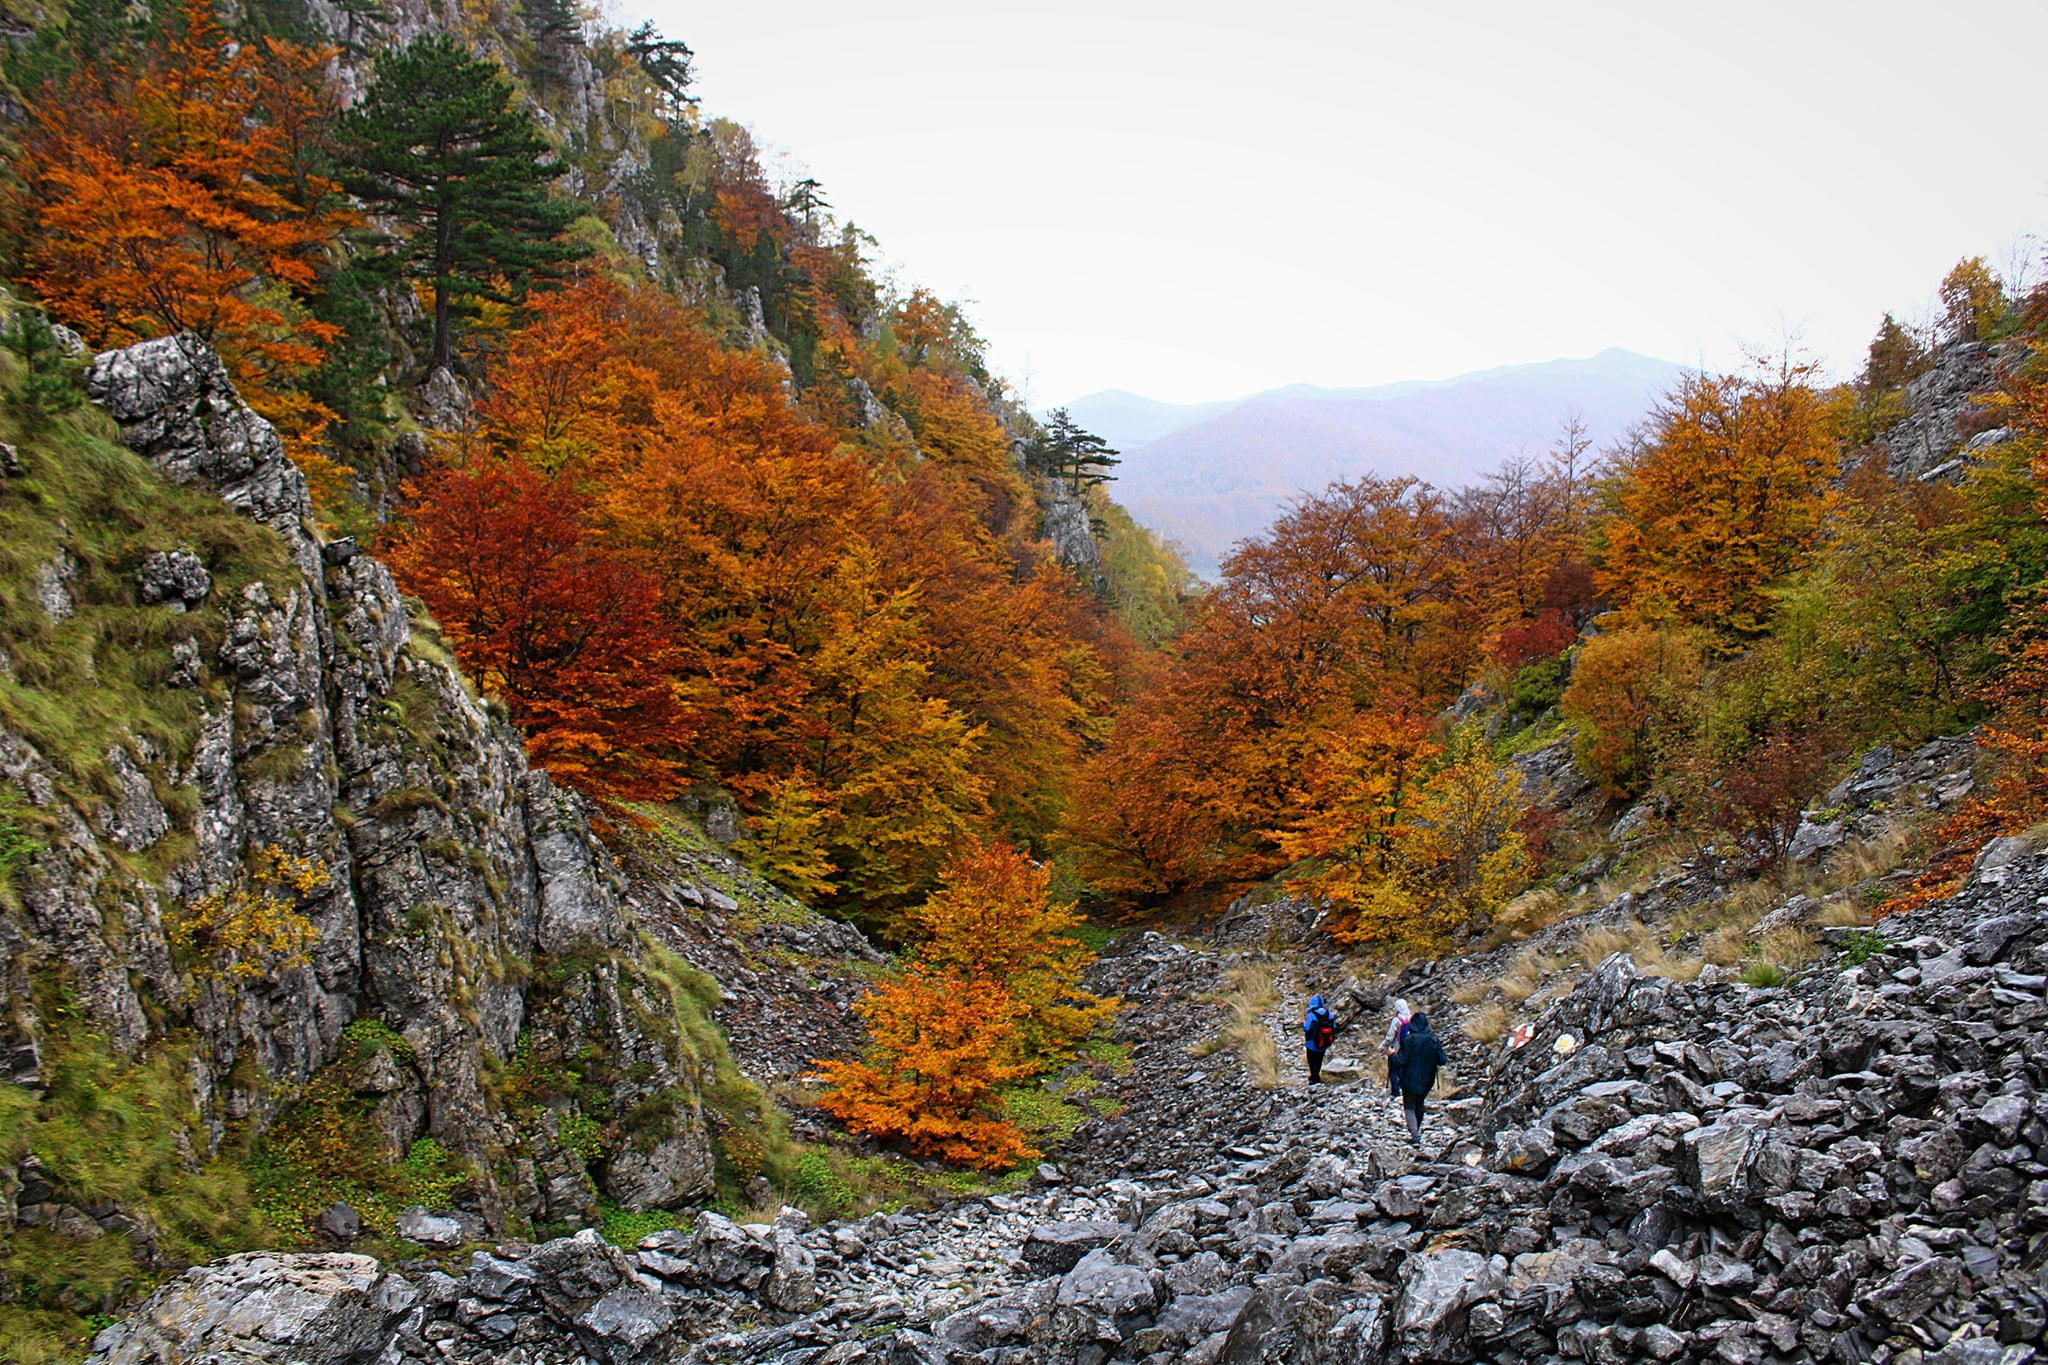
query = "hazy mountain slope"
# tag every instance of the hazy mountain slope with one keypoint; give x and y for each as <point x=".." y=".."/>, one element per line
<point x="1226" y="476"/>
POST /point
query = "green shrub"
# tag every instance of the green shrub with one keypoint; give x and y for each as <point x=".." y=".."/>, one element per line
<point x="583" y="1135"/>
<point x="819" y="1189"/>
<point x="1113" y="1055"/>
<point x="369" y="1036"/>
<point x="1046" y="1119"/>
<point x="1862" y="945"/>
<point x="1536" y="688"/>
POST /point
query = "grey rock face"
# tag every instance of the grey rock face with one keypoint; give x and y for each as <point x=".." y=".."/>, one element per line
<point x="1943" y="416"/>
<point x="53" y="586"/>
<point x="177" y="579"/>
<point x="453" y="870"/>
<point x="1437" y="1288"/>
<point x="1073" y="540"/>
<point x="1056" y="1248"/>
<point x="1885" y="788"/>
<point x="178" y="409"/>
<point x="260" y="1306"/>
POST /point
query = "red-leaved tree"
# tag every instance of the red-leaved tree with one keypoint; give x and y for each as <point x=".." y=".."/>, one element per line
<point x="568" y="633"/>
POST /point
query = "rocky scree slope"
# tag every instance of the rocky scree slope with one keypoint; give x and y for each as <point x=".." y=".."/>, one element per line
<point x="482" y="972"/>
<point x="1848" y="1168"/>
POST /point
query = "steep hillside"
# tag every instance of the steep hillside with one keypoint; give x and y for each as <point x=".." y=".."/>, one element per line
<point x="290" y="924"/>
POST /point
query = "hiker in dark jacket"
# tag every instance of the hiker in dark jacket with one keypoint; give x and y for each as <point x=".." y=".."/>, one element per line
<point x="1420" y="1057"/>
<point x="1318" y="1031"/>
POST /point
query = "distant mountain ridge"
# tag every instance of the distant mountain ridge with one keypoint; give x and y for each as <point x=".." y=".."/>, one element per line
<point x="1210" y="474"/>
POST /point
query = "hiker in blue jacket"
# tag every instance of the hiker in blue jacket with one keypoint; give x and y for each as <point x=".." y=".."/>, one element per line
<point x="1318" y="1031"/>
<point x="1416" y="1065"/>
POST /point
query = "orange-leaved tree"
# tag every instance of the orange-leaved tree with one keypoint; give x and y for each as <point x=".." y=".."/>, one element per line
<point x="567" y="632"/>
<point x="993" y="919"/>
<point x="940" y="1049"/>
<point x="1347" y="607"/>
<point x="179" y="197"/>
<point x="1723" y="500"/>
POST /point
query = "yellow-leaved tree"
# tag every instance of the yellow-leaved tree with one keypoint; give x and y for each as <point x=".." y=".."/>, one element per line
<point x="1406" y="840"/>
<point x="1723" y="500"/>
<point x="993" y="919"/>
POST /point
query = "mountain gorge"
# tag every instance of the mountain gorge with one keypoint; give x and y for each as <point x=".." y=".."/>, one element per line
<point x="579" y="782"/>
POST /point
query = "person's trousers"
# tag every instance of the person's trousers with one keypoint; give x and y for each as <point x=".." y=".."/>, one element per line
<point x="1315" y="1066"/>
<point x="1412" y="1102"/>
<point x="1393" y="1083"/>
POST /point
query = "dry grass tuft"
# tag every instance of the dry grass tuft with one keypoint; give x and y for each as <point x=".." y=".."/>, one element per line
<point x="1596" y="945"/>
<point x="1615" y="885"/>
<point x="1533" y="909"/>
<point x="1487" y="1023"/>
<point x="1525" y="974"/>
<point x="1472" y="992"/>
<point x="1251" y="994"/>
<point x="1725" y="946"/>
<point x="1654" y="959"/>
<point x="1842" y="913"/>
<point x="1787" y="947"/>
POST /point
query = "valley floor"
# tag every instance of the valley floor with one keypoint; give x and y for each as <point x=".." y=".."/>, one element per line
<point x="1847" y="1168"/>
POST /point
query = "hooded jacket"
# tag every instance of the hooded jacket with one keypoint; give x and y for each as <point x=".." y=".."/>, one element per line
<point x="1396" y="1026"/>
<point x="1318" y="1012"/>
<point x="1420" y="1058"/>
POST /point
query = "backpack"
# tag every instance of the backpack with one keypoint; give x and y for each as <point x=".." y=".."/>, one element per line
<point x="1322" y="1032"/>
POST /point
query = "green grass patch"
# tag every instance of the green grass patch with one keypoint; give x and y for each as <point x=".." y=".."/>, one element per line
<point x="1046" y="1119"/>
<point x="1859" y="947"/>
<point x="1763" y="975"/>
<point x="623" y="1229"/>
<point x="108" y="1129"/>
<point x="1092" y="936"/>
<point x="1108" y="1053"/>
<point x="89" y="510"/>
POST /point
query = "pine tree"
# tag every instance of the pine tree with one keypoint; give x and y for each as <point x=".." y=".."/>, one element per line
<point x="665" y="62"/>
<point x="440" y="146"/>
<point x="1064" y="449"/>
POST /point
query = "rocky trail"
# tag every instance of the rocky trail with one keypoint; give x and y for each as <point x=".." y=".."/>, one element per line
<point x="1846" y="1168"/>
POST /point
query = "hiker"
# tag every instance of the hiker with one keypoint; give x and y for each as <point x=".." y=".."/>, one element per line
<point x="1318" y="1031"/>
<point x="1397" y="1030"/>
<point x="1420" y="1056"/>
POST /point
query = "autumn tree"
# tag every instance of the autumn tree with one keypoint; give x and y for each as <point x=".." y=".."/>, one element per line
<point x="1347" y="607"/>
<point x="1895" y="356"/>
<point x="1630" y="697"/>
<point x="992" y="919"/>
<point x="1725" y="499"/>
<point x="940" y="1049"/>
<point x="443" y="148"/>
<point x="566" y="632"/>
<point x="1406" y="841"/>
<point x="1972" y="301"/>
<point x="1348" y="814"/>
<point x="1763" y="792"/>
<point x="172" y="197"/>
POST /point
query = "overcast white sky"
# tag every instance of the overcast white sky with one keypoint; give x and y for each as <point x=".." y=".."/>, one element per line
<point x="1196" y="201"/>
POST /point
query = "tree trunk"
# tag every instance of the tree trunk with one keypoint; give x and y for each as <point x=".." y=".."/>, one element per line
<point x="444" y="228"/>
